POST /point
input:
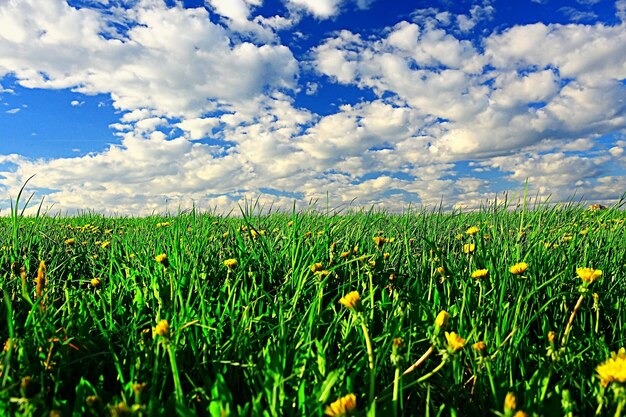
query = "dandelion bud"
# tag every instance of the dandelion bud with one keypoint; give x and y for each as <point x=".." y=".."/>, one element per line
<point x="442" y="320"/>
<point x="510" y="403"/>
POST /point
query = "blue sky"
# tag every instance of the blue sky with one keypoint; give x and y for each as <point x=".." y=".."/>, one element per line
<point x="122" y="105"/>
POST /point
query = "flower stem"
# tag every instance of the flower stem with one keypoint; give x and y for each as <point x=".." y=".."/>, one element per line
<point x="396" y="389"/>
<point x="571" y="320"/>
<point x="434" y="371"/>
<point x="419" y="361"/>
<point x="370" y="355"/>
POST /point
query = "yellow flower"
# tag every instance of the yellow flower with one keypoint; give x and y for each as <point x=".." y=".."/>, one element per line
<point x="70" y="241"/>
<point x="510" y="403"/>
<point x="442" y="320"/>
<point x="352" y="300"/>
<point x="520" y="413"/>
<point x="472" y="231"/>
<point x="380" y="240"/>
<point x="386" y="255"/>
<point x="469" y="248"/>
<point x="162" y="259"/>
<point x="230" y="263"/>
<point x="441" y="270"/>
<point x="519" y="268"/>
<point x="344" y="406"/>
<point x="455" y="342"/>
<point x="588" y="274"/>
<point x="317" y="266"/>
<point x="162" y="329"/>
<point x="323" y="273"/>
<point x="480" y="347"/>
<point x="95" y="282"/>
<point x="480" y="274"/>
<point x="105" y="244"/>
<point x="345" y="254"/>
<point x="613" y="369"/>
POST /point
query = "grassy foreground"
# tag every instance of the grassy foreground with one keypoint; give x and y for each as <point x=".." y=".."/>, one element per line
<point x="497" y="312"/>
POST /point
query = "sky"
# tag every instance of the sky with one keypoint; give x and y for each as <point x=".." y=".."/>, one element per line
<point x="134" y="107"/>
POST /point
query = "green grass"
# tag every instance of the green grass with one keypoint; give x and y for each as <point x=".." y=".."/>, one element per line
<point x="270" y="338"/>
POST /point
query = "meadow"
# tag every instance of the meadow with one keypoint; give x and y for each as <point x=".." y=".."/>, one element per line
<point x="509" y="310"/>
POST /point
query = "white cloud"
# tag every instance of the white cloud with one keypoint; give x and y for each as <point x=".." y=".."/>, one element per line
<point x="13" y="111"/>
<point x="76" y="103"/>
<point x="324" y="9"/>
<point x="208" y="117"/>
<point x="620" y="10"/>
<point x="154" y="65"/>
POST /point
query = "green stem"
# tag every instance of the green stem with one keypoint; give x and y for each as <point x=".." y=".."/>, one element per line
<point x="491" y="383"/>
<point x="178" y="389"/>
<point x="434" y="371"/>
<point x="370" y="355"/>
<point x="571" y="320"/>
<point x="620" y="405"/>
<point x="396" y="389"/>
<point x="420" y="360"/>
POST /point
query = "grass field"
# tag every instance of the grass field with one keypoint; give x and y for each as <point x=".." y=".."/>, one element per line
<point x="501" y="312"/>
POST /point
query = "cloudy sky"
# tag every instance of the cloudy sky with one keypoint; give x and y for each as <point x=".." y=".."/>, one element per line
<point x="138" y="106"/>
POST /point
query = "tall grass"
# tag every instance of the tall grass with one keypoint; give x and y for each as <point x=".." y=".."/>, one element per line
<point x="268" y="336"/>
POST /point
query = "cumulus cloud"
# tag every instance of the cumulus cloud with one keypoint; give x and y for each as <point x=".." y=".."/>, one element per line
<point x="324" y="9"/>
<point x="207" y="115"/>
<point x="154" y="65"/>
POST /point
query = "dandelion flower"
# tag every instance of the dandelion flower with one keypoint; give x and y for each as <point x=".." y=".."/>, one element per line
<point x="480" y="274"/>
<point x="519" y="268"/>
<point x="510" y="403"/>
<point x="230" y="263"/>
<point x="520" y="413"/>
<point x="588" y="275"/>
<point x="480" y="347"/>
<point x="455" y="342"/>
<point x="380" y="240"/>
<point x="345" y="254"/>
<point x="162" y="259"/>
<point x="70" y="241"/>
<point x="344" y="406"/>
<point x="613" y="369"/>
<point x="352" y="300"/>
<point x="442" y="320"/>
<point x="469" y="248"/>
<point x="95" y="282"/>
<point x="162" y="329"/>
<point x="472" y="231"/>
<point x="317" y="266"/>
<point x="441" y="270"/>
